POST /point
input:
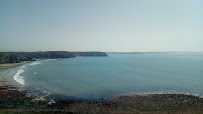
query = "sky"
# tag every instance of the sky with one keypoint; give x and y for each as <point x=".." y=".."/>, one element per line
<point x="101" y="25"/>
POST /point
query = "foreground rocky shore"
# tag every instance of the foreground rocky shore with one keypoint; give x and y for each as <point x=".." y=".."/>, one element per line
<point x="14" y="101"/>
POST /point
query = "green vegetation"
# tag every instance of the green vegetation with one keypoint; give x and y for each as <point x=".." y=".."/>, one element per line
<point x="16" y="57"/>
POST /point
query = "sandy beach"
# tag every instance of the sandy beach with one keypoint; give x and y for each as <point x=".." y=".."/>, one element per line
<point x="4" y="67"/>
<point x="9" y="65"/>
<point x="14" y="100"/>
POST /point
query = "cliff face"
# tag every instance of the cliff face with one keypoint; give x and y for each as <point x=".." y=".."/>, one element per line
<point x="16" y="57"/>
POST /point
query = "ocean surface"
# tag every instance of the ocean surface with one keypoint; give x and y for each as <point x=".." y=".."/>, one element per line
<point x="117" y="74"/>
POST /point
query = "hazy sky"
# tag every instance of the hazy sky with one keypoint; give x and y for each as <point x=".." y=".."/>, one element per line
<point x="105" y="25"/>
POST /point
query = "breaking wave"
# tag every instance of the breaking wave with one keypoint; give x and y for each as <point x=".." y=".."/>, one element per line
<point x="18" y="78"/>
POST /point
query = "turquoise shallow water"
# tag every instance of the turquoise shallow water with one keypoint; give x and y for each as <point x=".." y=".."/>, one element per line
<point x="117" y="74"/>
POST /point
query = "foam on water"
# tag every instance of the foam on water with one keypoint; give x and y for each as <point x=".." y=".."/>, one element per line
<point x="151" y="93"/>
<point x="18" y="78"/>
<point x="23" y="66"/>
<point x="50" y="59"/>
<point x="35" y="63"/>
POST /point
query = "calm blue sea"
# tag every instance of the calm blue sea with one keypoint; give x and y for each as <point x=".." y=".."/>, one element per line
<point x="117" y="74"/>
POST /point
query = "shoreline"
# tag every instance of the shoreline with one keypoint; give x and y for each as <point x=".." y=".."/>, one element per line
<point x="10" y="95"/>
<point x="20" y="101"/>
<point x="7" y="66"/>
<point x="10" y="65"/>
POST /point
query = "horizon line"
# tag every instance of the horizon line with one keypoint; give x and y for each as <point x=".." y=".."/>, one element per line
<point x="118" y="51"/>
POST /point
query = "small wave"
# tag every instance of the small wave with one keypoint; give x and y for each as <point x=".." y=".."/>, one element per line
<point x="35" y="63"/>
<point x="23" y="66"/>
<point x="50" y="59"/>
<point x="19" y="78"/>
<point x="171" y="92"/>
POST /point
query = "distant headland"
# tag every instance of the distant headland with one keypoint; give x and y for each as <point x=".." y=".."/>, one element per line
<point x="17" y="57"/>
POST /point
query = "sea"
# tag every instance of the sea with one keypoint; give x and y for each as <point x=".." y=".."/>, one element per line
<point x="112" y="76"/>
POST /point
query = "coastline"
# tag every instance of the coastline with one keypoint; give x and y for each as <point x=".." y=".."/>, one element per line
<point x="12" y="99"/>
<point x="10" y="65"/>
<point x="4" y="67"/>
<point x="20" y="102"/>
